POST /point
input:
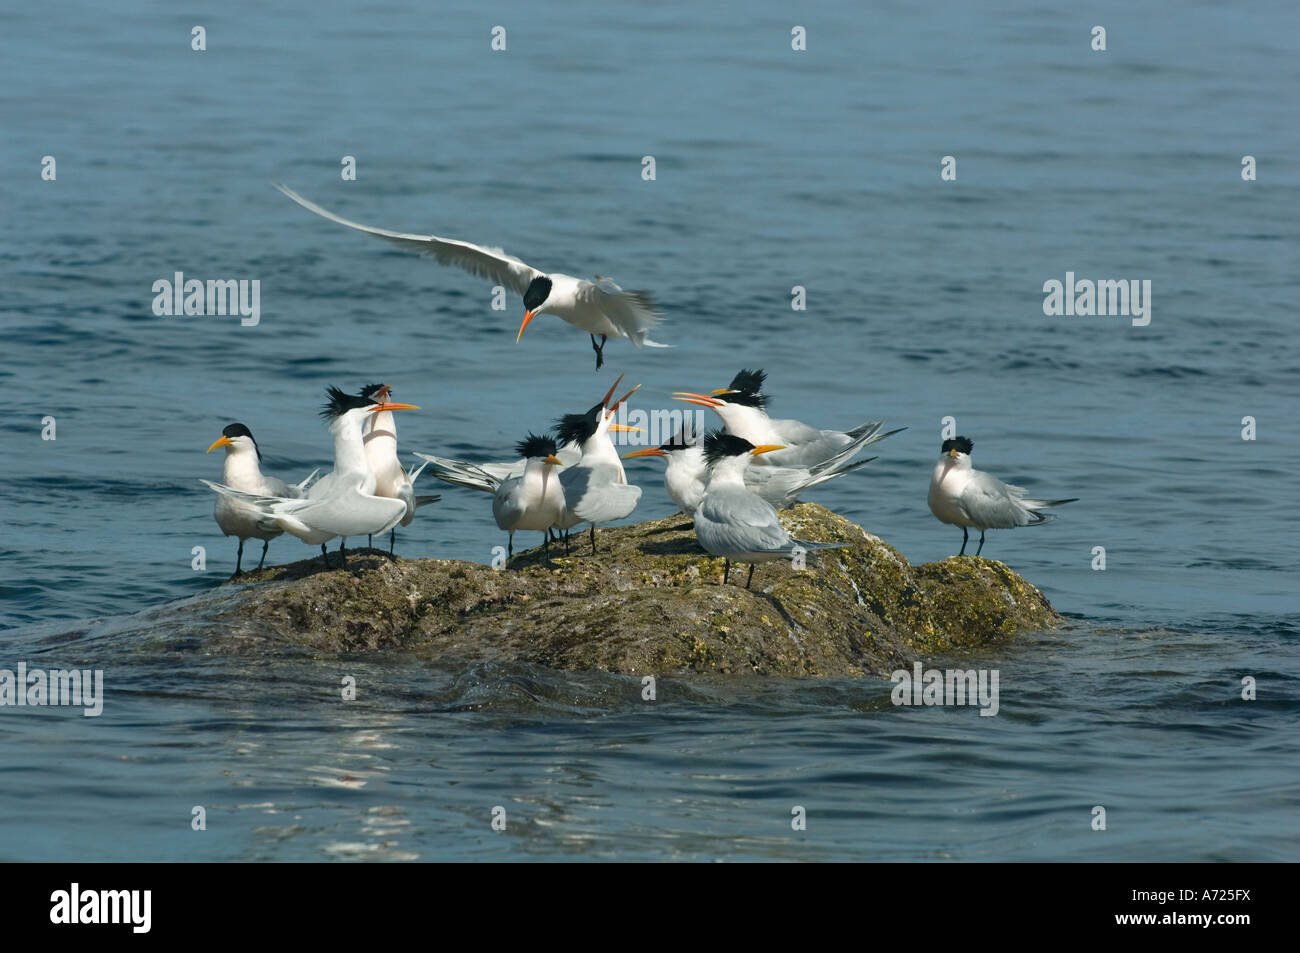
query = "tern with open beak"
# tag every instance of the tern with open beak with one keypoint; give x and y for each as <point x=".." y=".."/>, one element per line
<point x="242" y="470"/>
<point x="343" y="502"/>
<point x="743" y="409"/>
<point x="596" y="488"/>
<point x="973" y="499"/>
<point x="391" y="480"/>
<point x="599" y="307"/>
<point x="733" y="521"/>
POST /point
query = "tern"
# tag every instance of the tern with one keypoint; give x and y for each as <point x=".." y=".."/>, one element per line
<point x="599" y="307"/>
<point x="733" y="521"/>
<point x="973" y="499"/>
<point x="535" y="499"/>
<point x="687" y="474"/>
<point x="241" y="470"/>
<point x="595" y="488"/>
<point x="742" y="407"/>
<point x="391" y="480"/>
<point x="343" y="502"/>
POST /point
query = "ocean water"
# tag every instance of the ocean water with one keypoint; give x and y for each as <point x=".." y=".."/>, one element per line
<point x="774" y="168"/>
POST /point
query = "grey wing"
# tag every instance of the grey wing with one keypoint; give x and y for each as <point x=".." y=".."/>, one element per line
<point x="594" y="496"/>
<point x="992" y="504"/>
<point x="459" y="473"/>
<point x="632" y="312"/>
<point x="482" y="261"/>
<point x="507" y="507"/>
<point x="275" y="487"/>
<point x="739" y="522"/>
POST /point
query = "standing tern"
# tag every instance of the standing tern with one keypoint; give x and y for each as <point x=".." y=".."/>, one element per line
<point x="742" y="407"/>
<point x="595" y="488"/>
<point x="973" y="499"/>
<point x="535" y="499"/>
<point x="687" y="474"/>
<point x="733" y="521"/>
<point x="599" y="307"/>
<point x="391" y="480"/>
<point x="241" y="470"/>
<point x="343" y="502"/>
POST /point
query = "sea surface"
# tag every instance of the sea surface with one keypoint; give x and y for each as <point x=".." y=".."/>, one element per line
<point x="774" y="168"/>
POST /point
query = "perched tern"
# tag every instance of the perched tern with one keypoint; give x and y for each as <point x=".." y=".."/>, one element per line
<point x="599" y="307"/>
<point x="687" y="474"/>
<point x="391" y="480"/>
<point x="742" y="407"/>
<point x="973" y="499"/>
<point x="733" y="521"/>
<point x="343" y="502"/>
<point x="241" y="470"/>
<point x="595" y="488"/>
<point x="535" y="499"/>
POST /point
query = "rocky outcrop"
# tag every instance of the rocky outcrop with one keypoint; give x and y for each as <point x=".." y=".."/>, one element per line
<point x="649" y="602"/>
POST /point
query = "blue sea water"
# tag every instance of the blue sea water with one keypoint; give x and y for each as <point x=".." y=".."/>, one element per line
<point x="774" y="168"/>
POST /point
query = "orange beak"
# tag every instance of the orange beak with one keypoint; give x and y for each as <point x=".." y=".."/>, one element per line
<point x="766" y="448"/>
<point x="953" y="454"/>
<point x="610" y="393"/>
<point x="554" y="461"/>
<point x="616" y="403"/>
<point x="389" y="406"/>
<point x="528" y="317"/>
<point x="624" y="428"/>
<point x="649" y="452"/>
<point x="704" y="400"/>
<point x="723" y="390"/>
<point x="222" y="441"/>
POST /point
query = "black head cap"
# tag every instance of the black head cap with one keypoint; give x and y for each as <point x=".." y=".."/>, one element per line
<point x="239" y="430"/>
<point x="749" y="382"/>
<point x="340" y="403"/>
<point x="746" y="398"/>
<point x="681" y="440"/>
<point x="370" y="390"/>
<point x="578" y="428"/>
<point x="960" y="444"/>
<point x="538" y="291"/>
<point x="534" y="446"/>
<point x="719" y="445"/>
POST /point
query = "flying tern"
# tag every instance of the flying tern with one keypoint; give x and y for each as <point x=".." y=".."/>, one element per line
<point x="599" y="307"/>
<point x="343" y="502"/>
<point x="242" y="471"/>
<point x="973" y="499"/>
<point x="391" y="480"/>
<point x="742" y="407"/>
<point x="733" y="521"/>
<point x="595" y="488"/>
<point x="687" y="474"/>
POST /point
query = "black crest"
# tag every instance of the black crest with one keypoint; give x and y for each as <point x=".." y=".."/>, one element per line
<point x="681" y="440"/>
<point x="578" y="428"/>
<point x="719" y="445"/>
<point x="539" y="289"/>
<point x="746" y="399"/>
<point x="371" y="389"/>
<point x="340" y="403"/>
<point x="960" y="444"/>
<point x="239" y="430"/>
<point x="534" y="446"/>
<point x="749" y="382"/>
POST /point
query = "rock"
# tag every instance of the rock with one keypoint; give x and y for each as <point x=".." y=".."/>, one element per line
<point x="649" y="602"/>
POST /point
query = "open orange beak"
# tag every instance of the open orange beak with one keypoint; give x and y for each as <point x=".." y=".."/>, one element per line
<point x="704" y="400"/>
<point x="528" y="317"/>
<point x="766" y="448"/>
<point x="604" y="401"/>
<point x="614" y="406"/>
<point x="390" y="406"/>
<point x="554" y="461"/>
<point x="648" y="452"/>
<point x="222" y="441"/>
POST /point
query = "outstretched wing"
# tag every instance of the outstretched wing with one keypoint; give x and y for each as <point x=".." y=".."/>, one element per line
<point x="479" y="260"/>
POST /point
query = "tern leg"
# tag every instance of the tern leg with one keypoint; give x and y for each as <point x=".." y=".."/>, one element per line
<point x="963" y="542"/>
<point x="566" y="542"/>
<point x="510" y="545"/>
<point x="239" y="558"/>
<point x="265" y="544"/>
<point x="599" y="349"/>
<point x="726" y="569"/>
<point x="593" y="539"/>
<point x="977" y="552"/>
<point x="324" y="556"/>
<point x="369" y="540"/>
<point x="392" y="540"/>
<point x="342" y="555"/>
<point x="751" y="575"/>
<point x="546" y="545"/>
